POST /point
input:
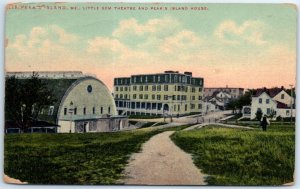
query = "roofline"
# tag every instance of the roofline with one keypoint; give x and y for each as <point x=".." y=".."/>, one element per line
<point x="223" y="88"/>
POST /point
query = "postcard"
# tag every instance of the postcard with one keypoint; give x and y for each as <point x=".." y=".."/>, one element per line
<point x="150" y="94"/>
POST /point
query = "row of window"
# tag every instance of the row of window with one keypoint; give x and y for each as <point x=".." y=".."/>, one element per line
<point x="156" y="97"/>
<point x="157" y="88"/>
<point x="260" y="100"/>
<point x="152" y="106"/>
<point x="74" y="111"/>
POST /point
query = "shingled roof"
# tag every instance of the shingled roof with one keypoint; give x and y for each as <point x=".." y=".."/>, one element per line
<point x="271" y="92"/>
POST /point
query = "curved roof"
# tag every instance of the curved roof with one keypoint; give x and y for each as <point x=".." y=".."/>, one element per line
<point x="59" y="87"/>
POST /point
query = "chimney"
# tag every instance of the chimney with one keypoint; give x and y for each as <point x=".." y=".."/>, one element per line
<point x="188" y="73"/>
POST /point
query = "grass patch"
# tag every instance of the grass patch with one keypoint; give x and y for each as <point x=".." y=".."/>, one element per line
<point x="89" y="158"/>
<point x="242" y="157"/>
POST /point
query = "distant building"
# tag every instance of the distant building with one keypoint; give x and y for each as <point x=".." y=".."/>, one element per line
<point x="169" y="93"/>
<point x="234" y="92"/>
<point x="274" y="101"/>
<point x="84" y="103"/>
<point x="218" y="100"/>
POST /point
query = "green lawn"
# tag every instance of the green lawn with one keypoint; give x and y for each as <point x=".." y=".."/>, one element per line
<point x="242" y="157"/>
<point x="91" y="158"/>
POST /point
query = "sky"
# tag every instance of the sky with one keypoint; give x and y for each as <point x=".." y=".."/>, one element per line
<point x="235" y="45"/>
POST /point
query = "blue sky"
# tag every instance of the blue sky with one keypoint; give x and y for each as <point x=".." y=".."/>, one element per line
<point x="239" y="45"/>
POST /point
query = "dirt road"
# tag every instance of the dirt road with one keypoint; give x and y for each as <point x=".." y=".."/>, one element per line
<point x="161" y="162"/>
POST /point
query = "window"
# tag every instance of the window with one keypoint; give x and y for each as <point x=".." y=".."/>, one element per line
<point x="65" y="111"/>
<point x="153" y="88"/>
<point x="116" y="95"/>
<point x="193" y="97"/>
<point x="121" y="88"/>
<point x="93" y="110"/>
<point x="101" y="110"/>
<point x="200" y="89"/>
<point x="192" y="106"/>
<point x="125" y="88"/>
<point x="134" y="96"/>
<point x="165" y="87"/>
<point x="178" y="97"/>
<point x="134" y="88"/>
<point x="268" y="111"/>
<point x="84" y="110"/>
<point x="193" y="89"/>
<point x="282" y="96"/>
<point x="51" y="108"/>
<point x="158" y="87"/>
<point x="199" y="97"/>
<point x="121" y="95"/>
<point x="109" y="109"/>
<point x="125" y="96"/>
<point x="158" y="97"/>
<point x="117" y="88"/>
<point x="140" y="96"/>
<point x="288" y="112"/>
<point x="75" y="111"/>
<point x="173" y="97"/>
<point x="185" y="107"/>
<point x="146" y="88"/>
<point x="153" y="97"/>
<point x="199" y="106"/>
<point x="141" y="88"/>
<point x="260" y="100"/>
<point x="165" y="97"/>
<point x="145" y="96"/>
<point x="267" y="101"/>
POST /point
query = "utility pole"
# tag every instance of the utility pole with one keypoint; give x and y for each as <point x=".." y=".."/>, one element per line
<point x="291" y="103"/>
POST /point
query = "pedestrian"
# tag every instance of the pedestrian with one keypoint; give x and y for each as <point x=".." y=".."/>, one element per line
<point x="264" y="123"/>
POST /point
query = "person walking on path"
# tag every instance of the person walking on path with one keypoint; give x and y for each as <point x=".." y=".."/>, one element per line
<point x="264" y="123"/>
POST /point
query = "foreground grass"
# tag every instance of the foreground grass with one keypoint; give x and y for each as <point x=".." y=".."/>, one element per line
<point x="242" y="157"/>
<point x="90" y="158"/>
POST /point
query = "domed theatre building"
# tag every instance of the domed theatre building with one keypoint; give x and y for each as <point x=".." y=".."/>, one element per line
<point x="83" y="103"/>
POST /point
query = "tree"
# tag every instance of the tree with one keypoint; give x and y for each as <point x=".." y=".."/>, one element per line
<point x="232" y="105"/>
<point x="258" y="114"/>
<point x="24" y="99"/>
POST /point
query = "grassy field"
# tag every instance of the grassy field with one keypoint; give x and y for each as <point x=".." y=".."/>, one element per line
<point x="90" y="158"/>
<point x="242" y="157"/>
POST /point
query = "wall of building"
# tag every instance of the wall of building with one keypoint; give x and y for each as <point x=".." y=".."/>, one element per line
<point x="283" y="97"/>
<point x="181" y="98"/>
<point x="91" y="99"/>
<point x="264" y="106"/>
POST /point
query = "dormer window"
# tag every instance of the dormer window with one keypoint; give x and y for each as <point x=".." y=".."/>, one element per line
<point x="282" y="96"/>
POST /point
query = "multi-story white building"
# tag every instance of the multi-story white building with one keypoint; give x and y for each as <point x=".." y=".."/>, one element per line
<point x="274" y="101"/>
<point x="169" y="93"/>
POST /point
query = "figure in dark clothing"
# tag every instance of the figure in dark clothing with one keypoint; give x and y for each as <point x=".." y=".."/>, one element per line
<point x="264" y="123"/>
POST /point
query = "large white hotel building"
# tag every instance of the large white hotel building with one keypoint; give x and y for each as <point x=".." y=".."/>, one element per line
<point x="169" y="93"/>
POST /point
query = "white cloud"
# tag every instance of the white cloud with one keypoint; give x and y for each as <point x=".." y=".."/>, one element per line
<point x="183" y="41"/>
<point x="152" y="26"/>
<point x="250" y="31"/>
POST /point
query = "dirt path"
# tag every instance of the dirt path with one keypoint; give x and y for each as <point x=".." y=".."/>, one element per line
<point x="161" y="162"/>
